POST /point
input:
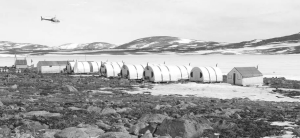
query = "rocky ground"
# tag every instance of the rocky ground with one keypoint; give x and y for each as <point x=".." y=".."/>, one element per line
<point x="61" y="106"/>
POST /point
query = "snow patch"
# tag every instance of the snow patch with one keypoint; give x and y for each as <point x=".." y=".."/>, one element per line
<point x="183" y="41"/>
<point x="256" y="40"/>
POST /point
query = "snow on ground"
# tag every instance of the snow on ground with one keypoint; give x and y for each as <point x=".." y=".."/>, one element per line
<point x="287" y="126"/>
<point x="217" y="90"/>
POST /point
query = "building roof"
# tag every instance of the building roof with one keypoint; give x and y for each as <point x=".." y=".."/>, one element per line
<point x="52" y="63"/>
<point x="21" y="62"/>
<point x="248" y="72"/>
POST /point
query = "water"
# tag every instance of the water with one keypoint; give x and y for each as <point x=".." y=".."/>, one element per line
<point x="270" y="65"/>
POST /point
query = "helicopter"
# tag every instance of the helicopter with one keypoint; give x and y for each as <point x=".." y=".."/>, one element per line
<point x="54" y="20"/>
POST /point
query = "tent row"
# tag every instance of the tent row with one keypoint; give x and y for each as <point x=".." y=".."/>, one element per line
<point x="161" y="72"/>
<point x="153" y="72"/>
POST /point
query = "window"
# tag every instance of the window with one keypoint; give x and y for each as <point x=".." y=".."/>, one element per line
<point x="191" y="74"/>
<point x="152" y="74"/>
<point x="127" y="73"/>
<point x="201" y="74"/>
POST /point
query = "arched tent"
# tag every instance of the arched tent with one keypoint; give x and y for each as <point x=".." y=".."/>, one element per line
<point x="212" y="74"/>
<point x="185" y="72"/>
<point x="130" y="71"/>
<point x="70" y="66"/>
<point x="153" y="73"/>
<point x="219" y="74"/>
<point x="200" y="74"/>
<point x="173" y="72"/>
<point x="110" y="69"/>
<point x="82" y="67"/>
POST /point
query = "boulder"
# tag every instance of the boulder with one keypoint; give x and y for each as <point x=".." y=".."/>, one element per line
<point x="183" y="127"/>
<point x="34" y="125"/>
<point x="71" y="88"/>
<point x="15" y="86"/>
<point x="223" y="124"/>
<point x="41" y="113"/>
<point x="73" y="132"/>
<point x="49" y="133"/>
<point x="122" y="110"/>
<point x="4" y="131"/>
<point x="135" y="129"/>
<point x="119" y="128"/>
<point x="106" y="111"/>
<point x="94" y="109"/>
<point x="150" y="128"/>
<point x="116" y="135"/>
<point x="157" y="118"/>
<point x="148" y="134"/>
<point x="75" y="108"/>
<point x="103" y="126"/>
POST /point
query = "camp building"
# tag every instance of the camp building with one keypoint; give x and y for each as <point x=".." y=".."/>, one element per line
<point x="21" y="63"/>
<point x="245" y="76"/>
<point x="51" y="66"/>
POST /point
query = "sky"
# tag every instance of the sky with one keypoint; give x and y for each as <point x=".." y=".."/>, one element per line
<point x="122" y="21"/>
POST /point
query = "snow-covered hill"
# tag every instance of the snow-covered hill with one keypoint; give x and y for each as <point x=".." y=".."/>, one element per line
<point x="166" y="43"/>
<point x="7" y="45"/>
<point x="279" y="45"/>
<point x="89" y="46"/>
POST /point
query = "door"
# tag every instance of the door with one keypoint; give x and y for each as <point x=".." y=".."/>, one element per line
<point x="233" y="78"/>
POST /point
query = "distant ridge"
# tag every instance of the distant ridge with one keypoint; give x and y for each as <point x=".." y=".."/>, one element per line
<point x="289" y="44"/>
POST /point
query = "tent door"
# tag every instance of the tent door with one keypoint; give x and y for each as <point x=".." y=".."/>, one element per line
<point x="233" y="78"/>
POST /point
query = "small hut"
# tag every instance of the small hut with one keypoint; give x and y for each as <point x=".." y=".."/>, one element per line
<point x="245" y="76"/>
<point x="21" y="63"/>
<point x="51" y="66"/>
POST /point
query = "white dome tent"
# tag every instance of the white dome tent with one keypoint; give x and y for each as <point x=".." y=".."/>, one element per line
<point x="110" y="69"/>
<point x="206" y="74"/>
<point x="153" y="73"/>
<point x="185" y="72"/>
<point x="219" y="74"/>
<point x="174" y="73"/>
<point x="130" y="71"/>
<point x="94" y="66"/>
<point x="166" y="73"/>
